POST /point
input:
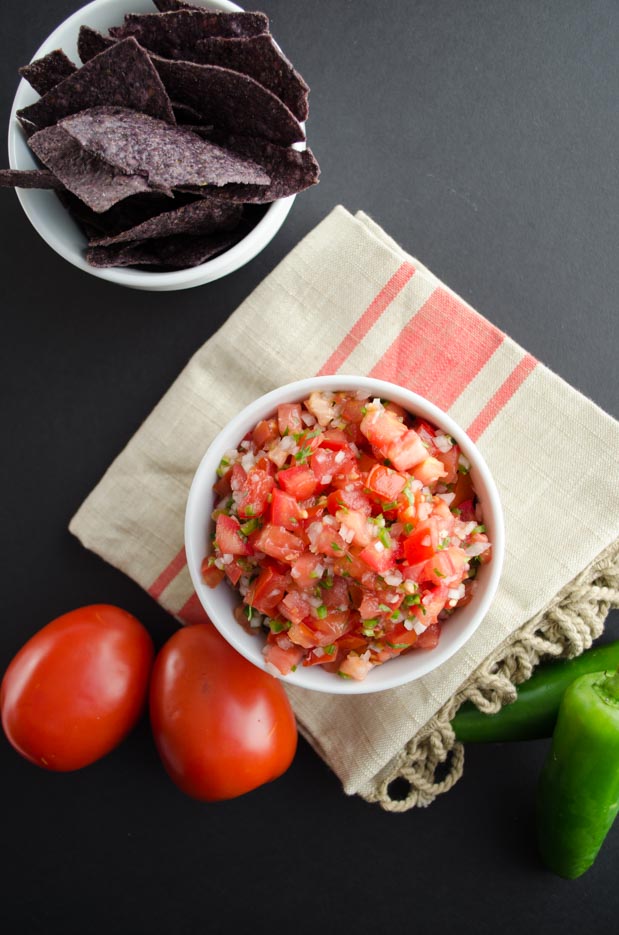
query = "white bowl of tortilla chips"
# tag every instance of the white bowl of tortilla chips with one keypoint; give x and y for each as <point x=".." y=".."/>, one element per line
<point x="182" y="243"/>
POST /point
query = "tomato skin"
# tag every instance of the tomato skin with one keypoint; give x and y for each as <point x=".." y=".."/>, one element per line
<point x="221" y="725"/>
<point x="77" y="687"/>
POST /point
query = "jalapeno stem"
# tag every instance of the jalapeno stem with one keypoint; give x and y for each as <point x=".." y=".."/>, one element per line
<point x="608" y="687"/>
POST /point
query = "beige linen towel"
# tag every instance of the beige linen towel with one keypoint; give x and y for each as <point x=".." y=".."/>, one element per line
<point x="347" y="299"/>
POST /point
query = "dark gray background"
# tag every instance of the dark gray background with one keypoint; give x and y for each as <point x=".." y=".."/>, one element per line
<point x="483" y="136"/>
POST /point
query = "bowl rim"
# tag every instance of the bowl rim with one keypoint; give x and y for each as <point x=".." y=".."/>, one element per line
<point x="225" y="263"/>
<point x="299" y="389"/>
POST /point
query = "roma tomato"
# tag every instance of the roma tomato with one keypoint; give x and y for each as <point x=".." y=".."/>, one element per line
<point x="221" y="725"/>
<point x="77" y="687"/>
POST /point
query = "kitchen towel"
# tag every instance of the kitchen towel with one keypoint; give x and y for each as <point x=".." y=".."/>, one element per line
<point x="348" y="299"/>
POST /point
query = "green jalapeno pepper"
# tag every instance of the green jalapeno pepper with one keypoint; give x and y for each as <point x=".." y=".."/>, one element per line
<point x="578" y="793"/>
<point x="534" y="713"/>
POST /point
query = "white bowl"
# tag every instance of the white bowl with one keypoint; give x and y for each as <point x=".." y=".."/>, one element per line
<point x="219" y="602"/>
<point x="58" y="228"/>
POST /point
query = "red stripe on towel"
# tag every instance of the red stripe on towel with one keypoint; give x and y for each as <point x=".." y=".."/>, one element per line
<point x="168" y="575"/>
<point x="369" y="318"/>
<point x="440" y="350"/>
<point x="502" y="396"/>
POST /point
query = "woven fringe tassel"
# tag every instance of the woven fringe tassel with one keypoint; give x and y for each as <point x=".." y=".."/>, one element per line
<point x="433" y="761"/>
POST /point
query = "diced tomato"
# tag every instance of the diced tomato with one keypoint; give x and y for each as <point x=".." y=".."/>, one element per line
<point x="211" y="575"/>
<point x="377" y="557"/>
<point x="279" y="543"/>
<point x="441" y="510"/>
<point x="384" y="484"/>
<point x="449" y="460"/>
<point x="427" y="433"/>
<point x="355" y="667"/>
<point x="329" y="542"/>
<point x="284" y="659"/>
<point x="295" y="606"/>
<point x="327" y="463"/>
<point x="300" y="482"/>
<point x="381" y="428"/>
<point x="463" y="490"/>
<point x="315" y="508"/>
<point x="396" y="409"/>
<point x="222" y="488"/>
<point x="289" y="420"/>
<point x="330" y="628"/>
<point x="366" y="462"/>
<point x="302" y="635"/>
<point x="285" y="510"/>
<point x="368" y="608"/>
<point x="320" y="407"/>
<point x="335" y="439"/>
<point x="320" y="656"/>
<point x="265" y="464"/>
<point x="429" y="638"/>
<point x="399" y="638"/>
<point x="304" y="572"/>
<point x="358" y="524"/>
<point x="354" y="499"/>
<point x="228" y="538"/>
<point x="267" y="590"/>
<point x="265" y="433"/>
<point x="354" y="410"/>
<point x="429" y="471"/>
<point x="467" y="511"/>
<point x="422" y="542"/>
<point x="336" y="597"/>
<point x="446" y="567"/>
<point x="252" y="496"/>
<point x="407" y="451"/>
<point x="351" y="642"/>
<point x="233" y="571"/>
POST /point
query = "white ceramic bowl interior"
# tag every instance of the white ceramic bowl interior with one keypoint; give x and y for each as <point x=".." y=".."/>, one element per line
<point x="52" y="221"/>
<point x="219" y="602"/>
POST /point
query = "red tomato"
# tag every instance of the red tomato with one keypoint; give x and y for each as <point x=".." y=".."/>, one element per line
<point x="221" y="725"/>
<point x="77" y="687"/>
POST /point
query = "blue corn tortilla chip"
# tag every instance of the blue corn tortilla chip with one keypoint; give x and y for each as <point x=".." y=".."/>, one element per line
<point x="185" y="114"/>
<point x="94" y="181"/>
<point x="127" y="213"/>
<point x="122" y="75"/>
<point x="260" y="58"/>
<point x="205" y="216"/>
<point x="91" y="43"/>
<point x="229" y="100"/>
<point x="291" y="170"/>
<point x="168" y="253"/>
<point x="29" y="178"/>
<point x="172" y="34"/>
<point x="166" y="156"/>
<point x="171" y="6"/>
<point x="45" y="73"/>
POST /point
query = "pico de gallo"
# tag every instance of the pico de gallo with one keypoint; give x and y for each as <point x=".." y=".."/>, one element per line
<point x="351" y="530"/>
